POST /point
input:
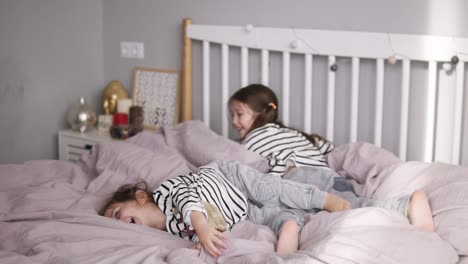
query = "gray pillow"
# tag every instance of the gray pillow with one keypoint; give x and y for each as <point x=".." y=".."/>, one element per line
<point x="200" y="145"/>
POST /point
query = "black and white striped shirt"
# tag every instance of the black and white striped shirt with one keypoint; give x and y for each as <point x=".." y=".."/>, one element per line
<point x="185" y="193"/>
<point x="285" y="147"/>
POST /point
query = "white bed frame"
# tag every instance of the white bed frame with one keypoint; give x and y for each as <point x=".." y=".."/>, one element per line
<point x="444" y="103"/>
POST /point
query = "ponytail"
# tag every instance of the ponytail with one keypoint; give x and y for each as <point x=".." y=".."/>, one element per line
<point x="315" y="139"/>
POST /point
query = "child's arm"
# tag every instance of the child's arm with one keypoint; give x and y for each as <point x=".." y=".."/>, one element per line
<point x="176" y="193"/>
<point x="187" y="199"/>
<point x="209" y="237"/>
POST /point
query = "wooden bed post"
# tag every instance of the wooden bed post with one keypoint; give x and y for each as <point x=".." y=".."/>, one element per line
<point x="186" y="108"/>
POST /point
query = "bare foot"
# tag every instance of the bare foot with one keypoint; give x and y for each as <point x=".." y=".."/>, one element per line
<point x="419" y="211"/>
<point x="335" y="203"/>
<point x="288" y="239"/>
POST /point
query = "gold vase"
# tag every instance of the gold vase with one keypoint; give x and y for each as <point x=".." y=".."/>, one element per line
<point x="112" y="93"/>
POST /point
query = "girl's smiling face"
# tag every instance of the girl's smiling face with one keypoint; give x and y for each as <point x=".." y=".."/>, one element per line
<point x="242" y="117"/>
<point x="129" y="212"/>
<point x="140" y="211"/>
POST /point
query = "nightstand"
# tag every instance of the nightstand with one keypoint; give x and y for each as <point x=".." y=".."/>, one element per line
<point x="73" y="144"/>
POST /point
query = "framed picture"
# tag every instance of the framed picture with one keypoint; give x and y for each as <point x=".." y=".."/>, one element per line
<point x="157" y="92"/>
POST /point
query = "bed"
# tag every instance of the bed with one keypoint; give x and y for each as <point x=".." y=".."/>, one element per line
<point x="49" y="207"/>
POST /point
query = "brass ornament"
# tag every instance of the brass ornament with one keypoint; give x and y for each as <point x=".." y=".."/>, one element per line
<point x="111" y="94"/>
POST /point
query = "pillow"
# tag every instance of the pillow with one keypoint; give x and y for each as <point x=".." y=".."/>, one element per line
<point x="360" y="160"/>
<point x="154" y="141"/>
<point x="200" y="145"/>
<point x="119" y="163"/>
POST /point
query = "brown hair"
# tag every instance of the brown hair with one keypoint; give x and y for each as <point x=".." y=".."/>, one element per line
<point x="263" y="101"/>
<point x="126" y="193"/>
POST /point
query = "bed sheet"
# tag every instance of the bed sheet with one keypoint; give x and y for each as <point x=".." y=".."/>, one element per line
<point x="48" y="209"/>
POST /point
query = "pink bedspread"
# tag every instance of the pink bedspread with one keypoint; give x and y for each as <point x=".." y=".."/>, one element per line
<point x="48" y="209"/>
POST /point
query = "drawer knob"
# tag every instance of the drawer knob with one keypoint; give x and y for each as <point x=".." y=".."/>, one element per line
<point x="88" y="146"/>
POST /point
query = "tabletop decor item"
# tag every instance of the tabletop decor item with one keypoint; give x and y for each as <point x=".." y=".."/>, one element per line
<point x="119" y="132"/>
<point x="135" y="122"/>
<point x="111" y="94"/>
<point x="157" y="92"/>
<point x="123" y="105"/>
<point x="105" y="122"/>
<point x="80" y="116"/>
<point x="120" y="119"/>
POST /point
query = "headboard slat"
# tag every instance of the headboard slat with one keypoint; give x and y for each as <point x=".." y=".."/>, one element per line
<point x="458" y="118"/>
<point x="331" y="99"/>
<point x="404" y="108"/>
<point x="379" y="93"/>
<point x="286" y="87"/>
<point x="225" y="88"/>
<point x="354" y="99"/>
<point x="430" y="112"/>
<point x="244" y="66"/>
<point x="206" y="82"/>
<point x="308" y="70"/>
<point x="265" y="67"/>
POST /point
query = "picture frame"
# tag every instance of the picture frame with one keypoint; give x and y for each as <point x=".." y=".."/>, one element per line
<point x="157" y="92"/>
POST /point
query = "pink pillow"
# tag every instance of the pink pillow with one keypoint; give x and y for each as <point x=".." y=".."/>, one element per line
<point x="200" y="145"/>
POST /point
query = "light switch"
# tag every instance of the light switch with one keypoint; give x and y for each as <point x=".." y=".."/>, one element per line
<point x="134" y="50"/>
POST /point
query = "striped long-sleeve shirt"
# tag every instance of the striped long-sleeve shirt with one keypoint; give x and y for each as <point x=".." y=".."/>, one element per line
<point x="185" y="193"/>
<point x="285" y="147"/>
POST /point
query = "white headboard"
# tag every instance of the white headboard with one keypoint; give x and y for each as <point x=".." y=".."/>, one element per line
<point x="442" y="59"/>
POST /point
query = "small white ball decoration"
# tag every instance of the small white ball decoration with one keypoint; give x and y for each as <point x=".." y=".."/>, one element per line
<point x="447" y="66"/>
<point x="294" y="44"/>
<point x="248" y="28"/>
<point x="391" y="60"/>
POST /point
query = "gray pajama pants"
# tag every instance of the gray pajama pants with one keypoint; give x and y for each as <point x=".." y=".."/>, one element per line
<point x="274" y="200"/>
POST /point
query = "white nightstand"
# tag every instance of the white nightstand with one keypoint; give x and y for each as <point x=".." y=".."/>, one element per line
<point x="73" y="144"/>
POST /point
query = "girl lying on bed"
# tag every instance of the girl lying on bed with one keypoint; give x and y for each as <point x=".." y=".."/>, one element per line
<point x="179" y="205"/>
<point x="255" y="116"/>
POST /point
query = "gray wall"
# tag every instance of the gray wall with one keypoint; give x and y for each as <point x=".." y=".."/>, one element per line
<point x="52" y="52"/>
<point x="50" y="55"/>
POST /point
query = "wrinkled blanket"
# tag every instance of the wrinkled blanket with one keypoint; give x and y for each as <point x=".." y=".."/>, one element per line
<point x="49" y="209"/>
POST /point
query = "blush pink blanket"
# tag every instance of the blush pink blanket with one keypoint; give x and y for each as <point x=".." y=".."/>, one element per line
<point x="48" y="209"/>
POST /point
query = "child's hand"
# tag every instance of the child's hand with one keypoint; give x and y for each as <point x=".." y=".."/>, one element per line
<point x="209" y="237"/>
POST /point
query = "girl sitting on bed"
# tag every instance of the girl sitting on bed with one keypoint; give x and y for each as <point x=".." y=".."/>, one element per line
<point x="254" y="115"/>
<point x="186" y="205"/>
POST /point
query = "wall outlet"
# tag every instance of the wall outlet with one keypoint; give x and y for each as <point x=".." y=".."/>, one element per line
<point x="135" y="50"/>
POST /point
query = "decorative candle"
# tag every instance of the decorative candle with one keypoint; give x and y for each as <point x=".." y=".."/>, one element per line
<point x="123" y="105"/>
<point x="120" y="119"/>
<point x="135" y="123"/>
<point x="105" y="122"/>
